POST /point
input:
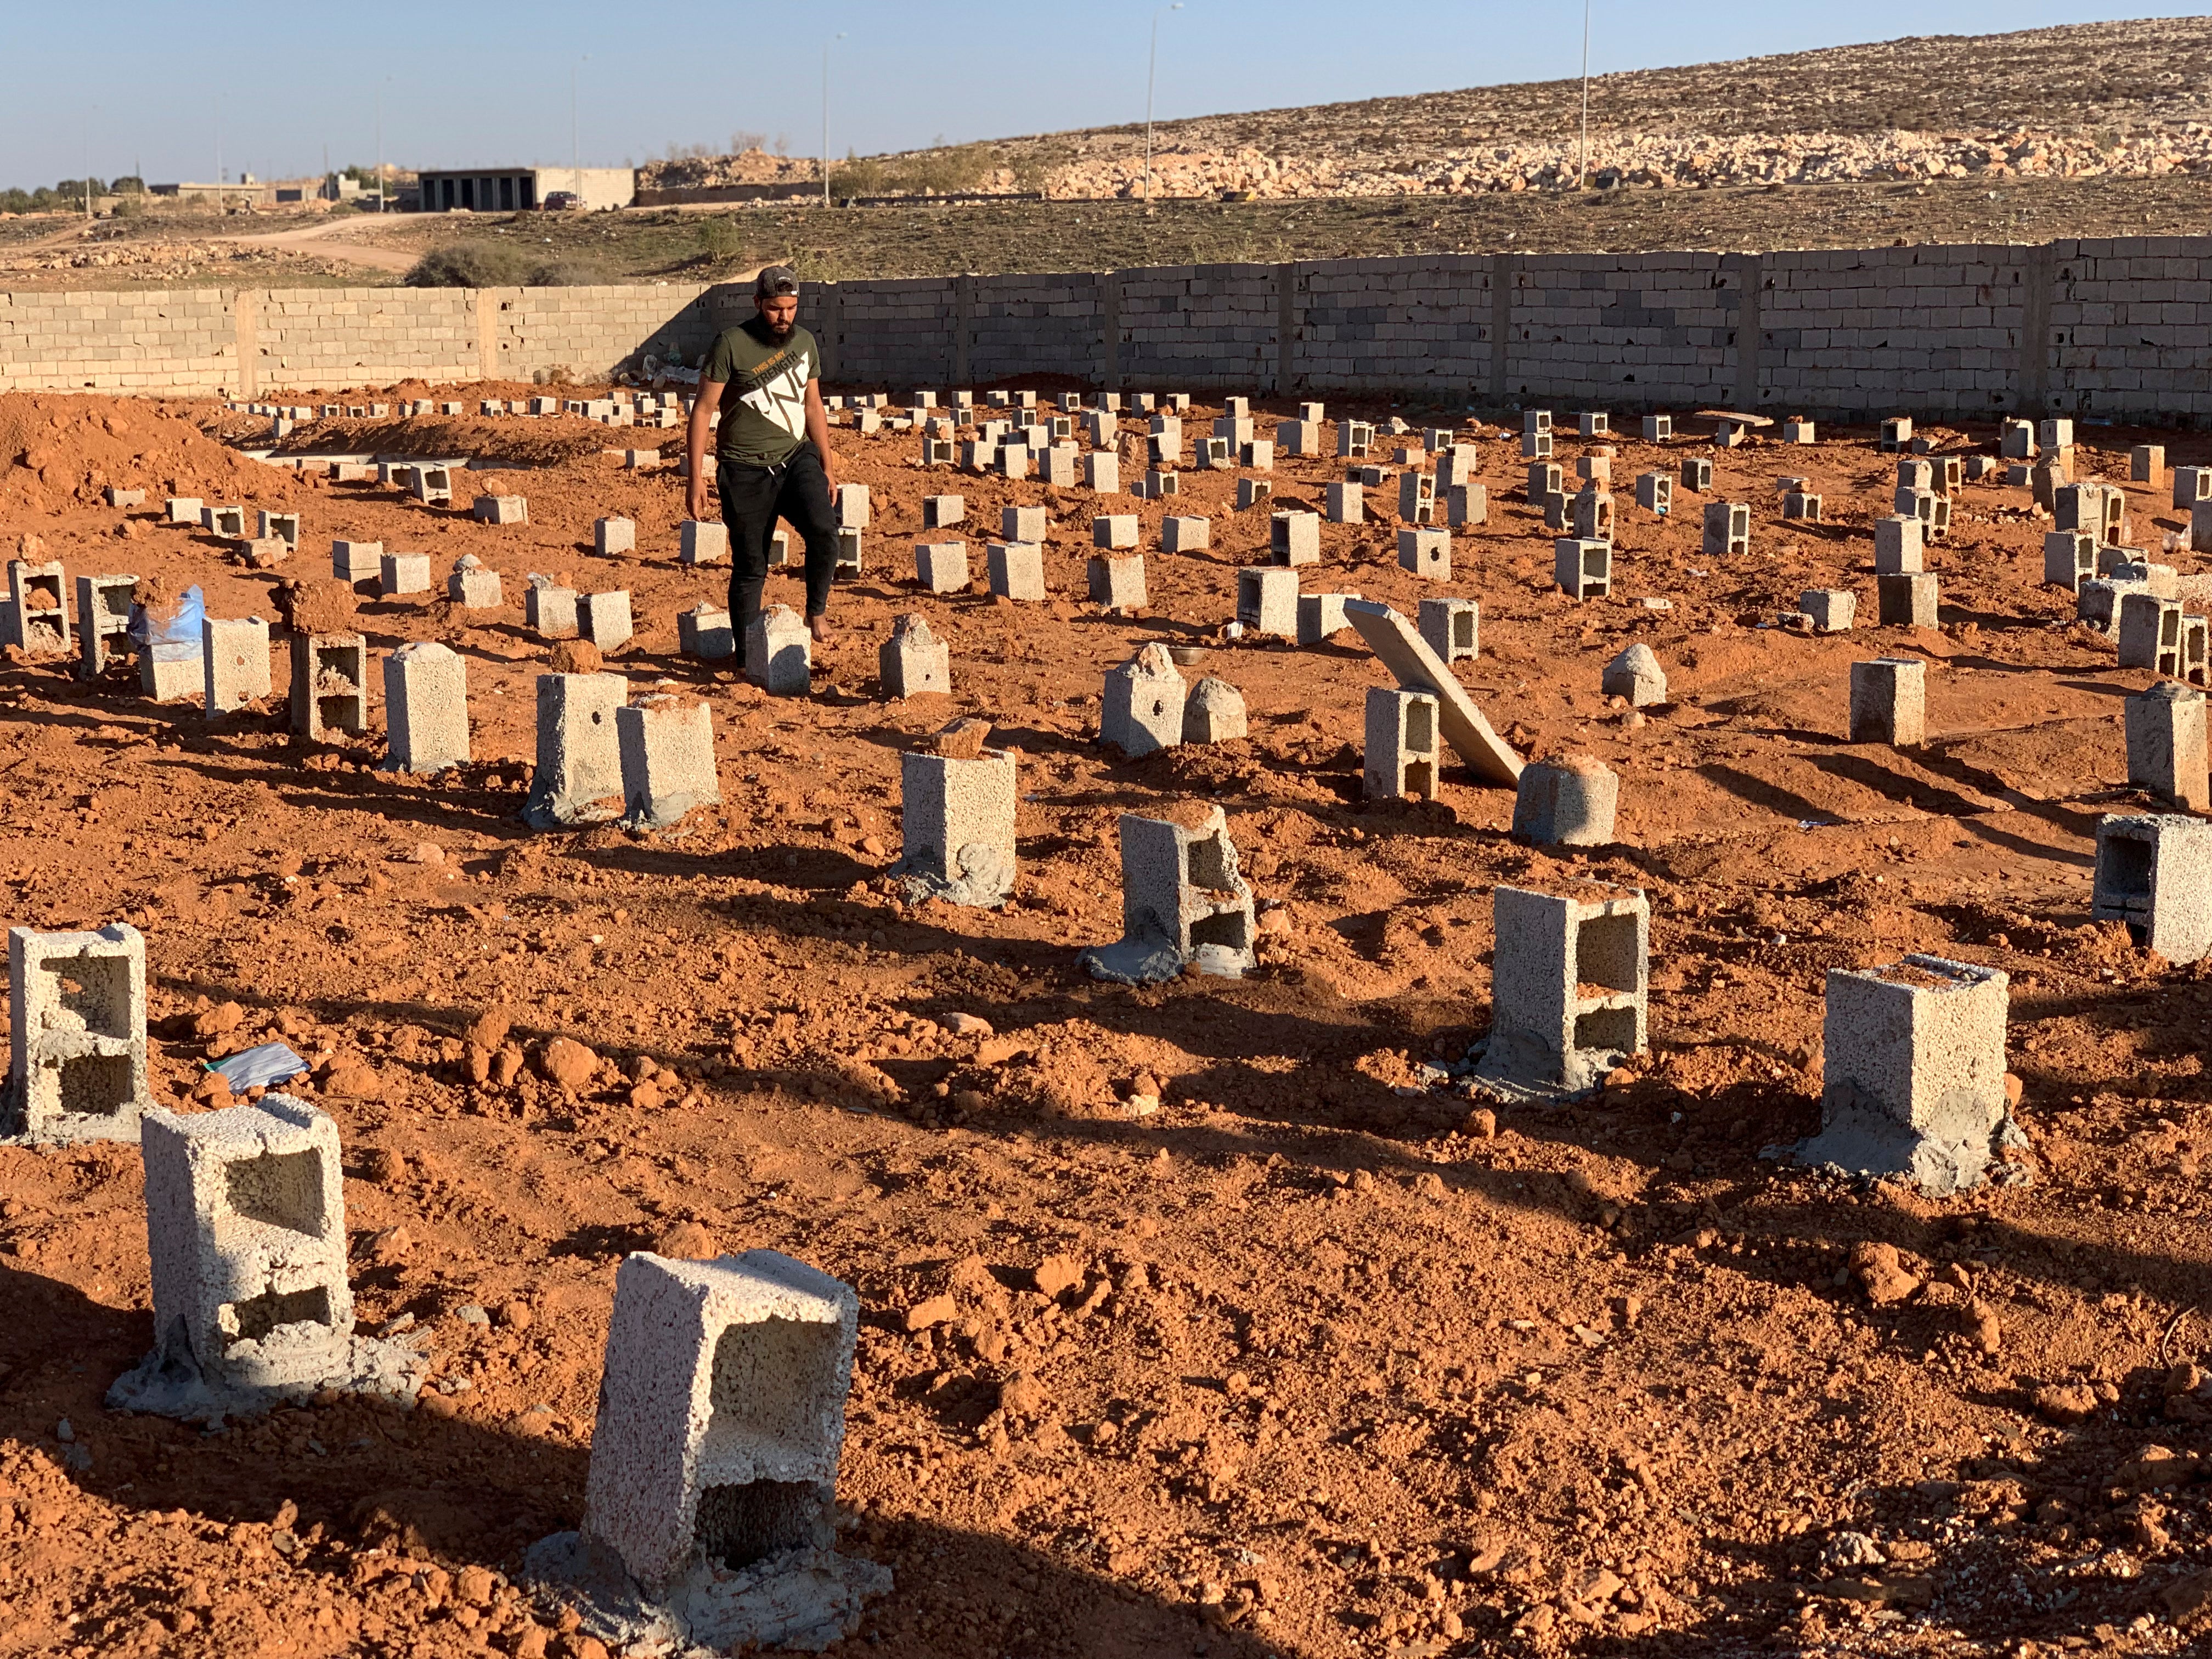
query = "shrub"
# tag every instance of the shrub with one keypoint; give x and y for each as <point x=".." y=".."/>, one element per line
<point x="466" y="264"/>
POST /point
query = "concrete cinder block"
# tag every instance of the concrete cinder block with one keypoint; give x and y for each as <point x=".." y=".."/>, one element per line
<point x="1185" y="534"/>
<point x="1913" y="1067"/>
<point x="851" y="505"/>
<point x="1213" y="713"/>
<point x="183" y="509"/>
<point x="721" y="1418"/>
<point x="1298" y="440"/>
<point x="1545" y="479"/>
<point x="702" y="541"/>
<point x="330" y="685"/>
<point x="779" y="653"/>
<point x="1535" y="446"/>
<point x="1896" y="434"/>
<point x="1569" y="986"/>
<point x="2016" y="440"/>
<point x="1016" y="571"/>
<point x="471" y="587"/>
<point x="246" y="1232"/>
<point x="1591" y="514"/>
<point x="2069" y="558"/>
<point x="1657" y="429"/>
<point x="1294" y="538"/>
<point x="37" y="612"/>
<point x="2149" y="633"/>
<point x="1258" y="454"/>
<point x="1253" y="492"/>
<point x="610" y="535"/>
<point x="283" y="526"/>
<point x="2191" y="484"/>
<point x="1697" y="474"/>
<point x="1403" y="746"/>
<point x="425" y="707"/>
<point x="2147" y="463"/>
<point x="76" y="1058"/>
<point x="1023" y="523"/>
<point x="1417" y="497"/>
<point x="1183" y="902"/>
<point x="1594" y="423"/>
<point x="1116" y="530"/>
<point x="358" y="562"/>
<point x="1118" y="584"/>
<point x="501" y="509"/>
<point x="579" y="772"/>
<point x="1354" y="439"/>
<point x="1655" y="492"/>
<point x="550" y="611"/>
<point x="2154" y="876"/>
<point x="234" y="663"/>
<point x="1345" y="503"/>
<point x="1467" y="504"/>
<point x="103" y="620"/>
<point x="1907" y="600"/>
<point x="941" y="566"/>
<point x="1320" y="615"/>
<point x="605" y="618"/>
<point x="849" y="562"/>
<point x="1889" y="702"/>
<point x="1829" y="610"/>
<point x="1569" y="803"/>
<point x="1143" y="703"/>
<point x="666" y="745"/>
<point x="1583" y="567"/>
<point x="1801" y="504"/>
<point x="1636" y="675"/>
<point x="1898" y="548"/>
<point x="705" y="631"/>
<point x="1102" y="473"/>
<point x="941" y="511"/>
<point x="226" y="522"/>
<point x="402" y="573"/>
<point x="958" y="821"/>
<point x="2097" y="600"/>
<point x="1451" y="628"/>
<point x="2166" y="745"/>
<point x="1267" y="600"/>
<point x="1728" y="529"/>
<point x="914" y="660"/>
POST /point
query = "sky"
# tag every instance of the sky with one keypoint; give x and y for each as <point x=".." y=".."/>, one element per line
<point x="118" y="85"/>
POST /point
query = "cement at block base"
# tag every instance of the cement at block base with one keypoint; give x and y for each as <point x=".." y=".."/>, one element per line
<point x="1147" y="961"/>
<point x="1858" y="1137"/>
<point x="170" y="1384"/>
<point x="805" y="1600"/>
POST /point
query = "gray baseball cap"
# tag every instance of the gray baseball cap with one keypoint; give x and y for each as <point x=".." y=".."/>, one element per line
<point x="775" y="280"/>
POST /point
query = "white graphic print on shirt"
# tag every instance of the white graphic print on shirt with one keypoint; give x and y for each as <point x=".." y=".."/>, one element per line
<point x="782" y="398"/>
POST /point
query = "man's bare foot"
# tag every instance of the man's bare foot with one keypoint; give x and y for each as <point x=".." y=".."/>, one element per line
<point x="818" y="627"/>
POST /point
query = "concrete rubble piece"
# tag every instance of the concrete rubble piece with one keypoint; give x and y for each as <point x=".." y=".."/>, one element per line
<point x="709" y="1516"/>
<point x="245" y="1229"/>
<point x="1183" y="903"/>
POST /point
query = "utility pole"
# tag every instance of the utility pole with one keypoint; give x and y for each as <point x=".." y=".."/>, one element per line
<point x="577" y="128"/>
<point x="1582" y="161"/>
<point x="379" y="141"/>
<point x="1152" y="77"/>
<point x="825" y="115"/>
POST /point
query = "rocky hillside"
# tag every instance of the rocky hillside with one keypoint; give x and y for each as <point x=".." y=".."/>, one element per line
<point x="2125" y="99"/>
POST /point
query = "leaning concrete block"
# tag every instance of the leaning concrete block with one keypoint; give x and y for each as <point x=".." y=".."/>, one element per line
<point x="941" y="566"/>
<point x="605" y="618"/>
<point x="2155" y="875"/>
<point x="957" y="816"/>
<point x="1912" y="1073"/>
<point x="1905" y="601"/>
<point x="246" y="1232"/>
<point x="234" y="663"/>
<point x="1636" y="675"/>
<point x="1213" y="713"/>
<point x="779" y="653"/>
<point x="1889" y="702"/>
<point x="914" y="660"/>
<point x="578" y="755"/>
<point x="1118" y="584"/>
<point x="1830" y="610"/>
<point x="425" y="702"/>
<point x="1420" y="669"/>
<point x="2166" y="745"/>
<point x="76" y="1059"/>
<point x="1402" y="755"/>
<point x="1267" y="600"/>
<point x="666" y="745"/>
<point x="1569" y="803"/>
<point x="330" y="685"/>
<point x="1143" y="708"/>
<point x="1183" y="902"/>
<point x="1185" y="534"/>
<point x="705" y="632"/>
<point x="1451" y="628"/>
<point x="1570" y="985"/>
<point x="1016" y="571"/>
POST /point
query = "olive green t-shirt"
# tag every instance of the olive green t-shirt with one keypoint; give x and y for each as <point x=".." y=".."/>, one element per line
<point x="763" y="392"/>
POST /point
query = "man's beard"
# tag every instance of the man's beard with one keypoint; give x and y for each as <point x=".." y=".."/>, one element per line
<point x="782" y="331"/>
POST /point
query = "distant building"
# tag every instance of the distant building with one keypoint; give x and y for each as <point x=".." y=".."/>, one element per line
<point x="519" y="189"/>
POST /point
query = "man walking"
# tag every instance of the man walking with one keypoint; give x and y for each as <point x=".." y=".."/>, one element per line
<point x="773" y="461"/>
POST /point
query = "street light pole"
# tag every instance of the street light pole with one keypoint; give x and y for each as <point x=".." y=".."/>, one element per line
<point x="825" y="115"/>
<point x="1582" y="161"/>
<point x="577" y="128"/>
<point x="380" y="144"/>
<point x="1151" y="77"/>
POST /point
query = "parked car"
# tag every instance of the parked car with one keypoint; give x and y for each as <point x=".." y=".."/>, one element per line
<point x="557" y="200"/>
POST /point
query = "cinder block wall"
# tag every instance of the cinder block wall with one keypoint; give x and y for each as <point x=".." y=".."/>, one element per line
<point x="2118" y="328"/>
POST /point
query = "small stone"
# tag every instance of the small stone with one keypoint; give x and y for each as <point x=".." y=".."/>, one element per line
<point x="514" y="1315"/>
<point x="968" y="1025"/>
<point x="469" y="1314"/>
<point x="931" y="1310"/>
<point x="2013" y="1089"/>
<point x="568" y="1062"/>
<point x="964" y="739"/>
<point x="687" y="1240"/>
<point x="1847" y="1551"/>
<point x="2066" y="1402"/>
<point x="1881" y="1274"/>
<point x="489" y="1029"/>
<point x="1482" y="1123"/>
<point x="425" y="852"/>
<point x="575" y="657"/>
<point x="1022" y="1395"/>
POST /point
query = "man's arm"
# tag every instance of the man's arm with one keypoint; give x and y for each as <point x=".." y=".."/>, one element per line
<point x="695" y="444"/>
<point x="817" y="430"/>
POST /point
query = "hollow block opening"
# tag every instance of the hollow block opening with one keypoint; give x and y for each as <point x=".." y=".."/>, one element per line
<point x="1421" y="778"/>
<point x="738" y="1525"/>
<point x="282" y="1189"/>
<point x="96" y="1085"/>
<point x="97" y="989"/>
<point x="252" y="1319"/>
<point x="1209" y="863"/>
<point x="2126" y="867"/>
<point x="1607" y="1028"/>
<point x="1421" y="727"/>
<point x="1605" y="953"/>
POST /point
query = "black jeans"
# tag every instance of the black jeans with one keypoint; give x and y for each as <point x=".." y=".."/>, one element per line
<point x="753" y="498"/>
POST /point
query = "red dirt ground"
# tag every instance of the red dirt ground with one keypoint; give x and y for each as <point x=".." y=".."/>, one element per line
<point x="1330" y="1365"/>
